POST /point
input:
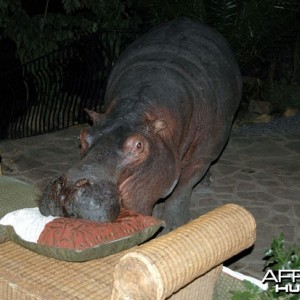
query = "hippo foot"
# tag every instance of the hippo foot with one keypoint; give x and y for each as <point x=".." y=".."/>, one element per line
<point x="207" y="179"/>
<point x="173" y="218"/>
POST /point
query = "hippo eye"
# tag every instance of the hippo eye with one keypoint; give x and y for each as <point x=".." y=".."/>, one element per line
<point x="138" y="145"/>
<point x="134" y="146"/>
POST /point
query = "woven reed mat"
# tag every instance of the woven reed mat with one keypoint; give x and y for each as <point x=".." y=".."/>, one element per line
<point x="166" y="264"/>
<point x="154" y="270"/>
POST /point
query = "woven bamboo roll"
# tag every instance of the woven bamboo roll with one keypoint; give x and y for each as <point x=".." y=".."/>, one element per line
<point x="162" y="266"/>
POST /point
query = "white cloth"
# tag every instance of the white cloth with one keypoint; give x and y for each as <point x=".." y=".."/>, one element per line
<point x="240" y="276"/>
<point x="28" y="223"/>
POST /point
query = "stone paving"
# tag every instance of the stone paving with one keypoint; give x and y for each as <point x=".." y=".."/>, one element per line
<point x="259" y="172"/>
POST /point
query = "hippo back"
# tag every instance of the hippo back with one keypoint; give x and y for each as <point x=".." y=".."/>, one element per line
<point x="184" y="67"/>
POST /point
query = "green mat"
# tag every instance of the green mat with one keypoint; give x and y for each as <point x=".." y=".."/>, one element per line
<point x="15" y="194"/>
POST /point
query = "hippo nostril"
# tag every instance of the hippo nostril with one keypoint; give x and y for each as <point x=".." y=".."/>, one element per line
<point x="82" y="182"/>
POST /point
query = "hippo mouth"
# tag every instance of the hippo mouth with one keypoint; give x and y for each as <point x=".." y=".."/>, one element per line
<point x="83" y="199"/>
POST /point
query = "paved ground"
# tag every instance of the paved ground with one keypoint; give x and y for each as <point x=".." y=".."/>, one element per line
<point x="259" y="172"/>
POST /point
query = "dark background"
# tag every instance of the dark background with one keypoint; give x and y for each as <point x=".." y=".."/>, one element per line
<point x="79" y="40"/>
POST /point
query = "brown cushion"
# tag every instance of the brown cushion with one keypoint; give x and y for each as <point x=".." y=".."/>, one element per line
<point x="82" y="234"/>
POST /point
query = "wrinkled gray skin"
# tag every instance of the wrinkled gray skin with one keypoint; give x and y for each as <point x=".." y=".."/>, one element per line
<point x="170" y="102"/>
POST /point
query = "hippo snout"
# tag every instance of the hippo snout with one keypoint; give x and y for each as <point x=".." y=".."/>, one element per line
<point x="82" y="199"/>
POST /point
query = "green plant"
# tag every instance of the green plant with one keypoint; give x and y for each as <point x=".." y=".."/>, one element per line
<point x="283" y="94"/>
<point x="278" y="257"/>
<point x="251" y="26"/>
<point x="42" y="33"/>
<point x="253" y="88"/>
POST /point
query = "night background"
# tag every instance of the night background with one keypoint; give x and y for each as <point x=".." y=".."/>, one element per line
<point x="55" y="55"/>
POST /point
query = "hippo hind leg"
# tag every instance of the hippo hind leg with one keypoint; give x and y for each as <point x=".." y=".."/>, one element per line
<point x="175" y="209"/>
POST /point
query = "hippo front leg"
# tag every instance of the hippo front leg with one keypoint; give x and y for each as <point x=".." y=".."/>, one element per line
<point x="175" y="209"/>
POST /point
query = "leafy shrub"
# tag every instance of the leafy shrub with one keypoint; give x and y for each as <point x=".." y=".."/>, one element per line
<point x="44" y="32"/>
<point x="283" y="94"/>
<point x="278" y="257"/>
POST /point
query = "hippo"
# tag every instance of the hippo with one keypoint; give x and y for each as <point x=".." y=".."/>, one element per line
<point x="169" y="105"/>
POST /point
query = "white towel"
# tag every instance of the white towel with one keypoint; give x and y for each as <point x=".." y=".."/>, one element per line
<point x="28" y="223"/>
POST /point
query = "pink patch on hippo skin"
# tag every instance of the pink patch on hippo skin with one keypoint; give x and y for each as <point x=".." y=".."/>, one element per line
<point x="86" y="141"/>
<point x="136" y="148"/>
<point x="81" y="182"/>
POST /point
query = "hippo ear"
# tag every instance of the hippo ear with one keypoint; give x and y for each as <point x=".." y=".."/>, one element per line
<point x="95" y="116"/>
<point x="159" y="125"/>
<point x="86" y="141"/>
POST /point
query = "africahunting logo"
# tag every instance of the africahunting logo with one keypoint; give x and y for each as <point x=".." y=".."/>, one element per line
<point x="287" y="281"/>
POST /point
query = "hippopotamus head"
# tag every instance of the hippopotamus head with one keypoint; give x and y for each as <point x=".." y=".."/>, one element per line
<point x="122" y="165"/>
